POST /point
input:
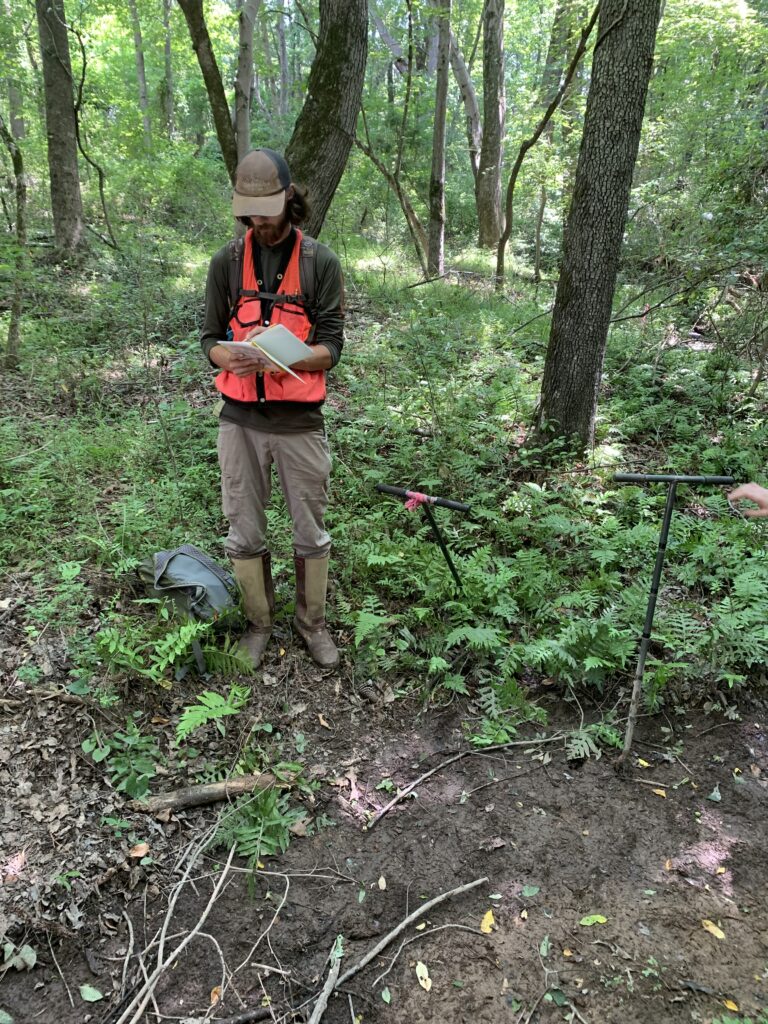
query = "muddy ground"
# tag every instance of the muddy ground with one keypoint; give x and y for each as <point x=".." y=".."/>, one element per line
<point x="614" y="899"/>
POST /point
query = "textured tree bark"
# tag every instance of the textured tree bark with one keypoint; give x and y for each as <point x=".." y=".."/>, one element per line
<point x="488" y="183"/>
<point x="141" y="74"/>
<point x="325" y="129"/>
<point x="471" y="109"/>
<point x="12" y="69"/>
<point x="285" y="71"/>
<point x="61" y="129"/>
<point x="168" y="87"/>
<point x="436" y="249"/>
<point x="621" y="69"/>
<point x="205" y="793"/>
<point x="206" y="58"/>
<point x="20" y="260"/>
<point x="244" y="77"/>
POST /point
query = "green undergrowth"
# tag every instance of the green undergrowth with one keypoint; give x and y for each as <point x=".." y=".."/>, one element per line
<point x="115" y="457"/>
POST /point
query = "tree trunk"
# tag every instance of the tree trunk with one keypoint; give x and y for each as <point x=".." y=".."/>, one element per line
<point x="17" y="298"/>
<point x="141" y="74"/>
<point x="201" y="44"/>
<point x="621" y="69"/>
<point x="285" y="74"/>
<point x="488" y="182"/>
<point x="12" y="67"/>
<point x="244" y="78"/>
<point x="436" y="252"/>
<point x="66" y="201"/>
<point x="471" y="109"/>
<point x="325" y="129"/>
<point x="168" y="89"/>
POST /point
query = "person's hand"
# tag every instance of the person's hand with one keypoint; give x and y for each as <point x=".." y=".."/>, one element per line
<point x="242" y="363"/>
<point x="751" y="492"/>
<point x="266" y="365"/>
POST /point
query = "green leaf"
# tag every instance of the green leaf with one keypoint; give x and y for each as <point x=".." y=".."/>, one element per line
<point x="530" y="890"/>
<point x="5" y="1018"/>
<point x="544" y="946"/>
<point x="715" y="794"/>
<point x="591" y="919"/>
<point x="89" y="994"/>
<point x="386" y="995"/>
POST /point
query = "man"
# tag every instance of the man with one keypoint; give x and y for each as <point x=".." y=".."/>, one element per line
<point x="268" y="417"/>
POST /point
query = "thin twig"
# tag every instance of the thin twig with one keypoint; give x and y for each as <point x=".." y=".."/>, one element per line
<point x="505" y="778"/>
<point x="351" y="1008"/>
<point x="419" y="912"/>
<point x="720" y="725"/>
<point x="533" y="1009"/>
<point x="456" y="757"/>
<point x="129" y="954"/>
<point x="265" y="933"/>
<point x="135" y="1008"/>
<point x="212" y="1007"/>
<point x="423" y="935"/>
<point x="64" y="980"/>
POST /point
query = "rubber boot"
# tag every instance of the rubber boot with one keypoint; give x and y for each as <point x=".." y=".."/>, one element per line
<point x="309" y="620"/>
<point x="254" y="577"/>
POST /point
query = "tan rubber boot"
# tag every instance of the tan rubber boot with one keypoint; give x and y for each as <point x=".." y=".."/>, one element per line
<point x="309" y="620"/>
<point x="254" y="577"/>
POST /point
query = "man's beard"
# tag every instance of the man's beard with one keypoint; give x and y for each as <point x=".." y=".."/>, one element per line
<point x="271" y="234"/>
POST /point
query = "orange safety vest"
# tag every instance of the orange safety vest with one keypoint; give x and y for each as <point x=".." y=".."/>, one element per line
<point x="288" y="309"/>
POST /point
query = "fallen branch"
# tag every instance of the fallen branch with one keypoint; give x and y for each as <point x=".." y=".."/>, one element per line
<point x="134" y="1011"/>
<point x="330" y="983"/>
<point x="423" y="935"/>
<point x="391" y="936"/>
<point x="261" y="1013"/>
<point x="403" y="793"/>
<point x="208" y="793"/>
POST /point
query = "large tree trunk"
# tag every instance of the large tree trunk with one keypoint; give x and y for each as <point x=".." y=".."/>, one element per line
<point x="436" y="252"/>
<point x="322" y="138"/>
<point x="201" y="44"/>
<point x="621" y="69"/>
<point x="488" y="183"/>
<point x="141" y="74"/>
<point x="168" y="88"/>
<point x="244" y="78"/>
<point x="66" y="201"/>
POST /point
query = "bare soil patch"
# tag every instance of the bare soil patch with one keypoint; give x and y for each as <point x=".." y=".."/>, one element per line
<point x="655" y="854"/>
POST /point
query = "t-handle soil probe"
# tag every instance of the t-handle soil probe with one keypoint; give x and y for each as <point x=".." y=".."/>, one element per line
<point x="672" y="481"/>
<point x="415" y="499"/>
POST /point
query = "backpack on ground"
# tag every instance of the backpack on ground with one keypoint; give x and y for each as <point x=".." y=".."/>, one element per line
<point x="198" y="587"/>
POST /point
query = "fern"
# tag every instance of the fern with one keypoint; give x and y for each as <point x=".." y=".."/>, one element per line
<point x="479" y="638"/>
<point x="580" y="745"/>
<point x="228" y="661"/>
<point x="369" y="623"/>
<point x="211" y="707"/>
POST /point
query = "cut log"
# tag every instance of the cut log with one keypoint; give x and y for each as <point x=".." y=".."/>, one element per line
<point x="208" y="793"/>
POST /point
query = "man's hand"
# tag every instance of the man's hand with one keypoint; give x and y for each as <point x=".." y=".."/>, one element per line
<point x="243" y="363"/>
<point x="751" y="492"/>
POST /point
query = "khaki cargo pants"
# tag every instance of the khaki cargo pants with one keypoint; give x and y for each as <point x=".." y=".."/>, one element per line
<point x="303" y="465"/>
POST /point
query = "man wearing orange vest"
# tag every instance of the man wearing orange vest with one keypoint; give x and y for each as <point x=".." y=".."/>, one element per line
<point x="268" y="417"/>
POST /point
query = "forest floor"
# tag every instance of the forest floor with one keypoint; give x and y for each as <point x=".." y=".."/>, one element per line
<point x="668" y="861"/>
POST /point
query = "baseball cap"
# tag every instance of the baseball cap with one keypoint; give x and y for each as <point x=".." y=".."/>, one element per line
<point x="261" y="180"/>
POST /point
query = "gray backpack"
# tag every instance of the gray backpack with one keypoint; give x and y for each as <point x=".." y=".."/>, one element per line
<point x="198" y="587"/>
